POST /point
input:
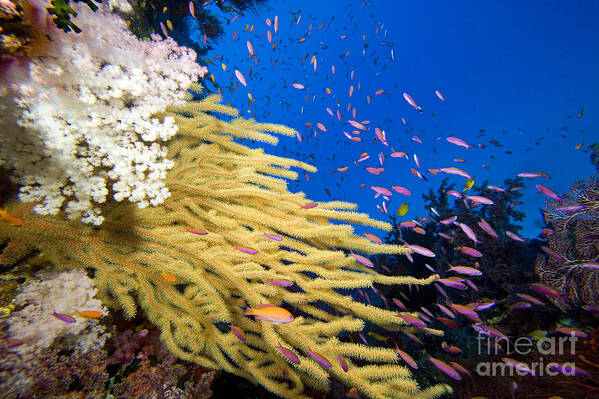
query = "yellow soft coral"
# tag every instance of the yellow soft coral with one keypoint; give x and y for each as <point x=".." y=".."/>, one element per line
<point x="236" y="195"/>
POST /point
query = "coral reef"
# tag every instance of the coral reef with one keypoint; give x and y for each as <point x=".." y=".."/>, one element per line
<point x="22" y="27"/>
<point x="229" y="229"/>
<point x="34" y="324"/>
<point x="65" y="371"/>
<point x="189" y="31"/>
<point x="571" y="265"/>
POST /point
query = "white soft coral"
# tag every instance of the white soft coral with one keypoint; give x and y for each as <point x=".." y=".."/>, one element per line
<point x="88" y="117"/>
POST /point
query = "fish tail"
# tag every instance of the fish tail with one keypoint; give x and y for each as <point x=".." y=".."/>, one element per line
<point x="248" y="312"/>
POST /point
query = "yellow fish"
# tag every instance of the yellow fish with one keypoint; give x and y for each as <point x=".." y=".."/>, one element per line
<point x="469" y="184"/>
<point x="376" y="336"/>
<point x="224" y="67"/>
<point x="403" y="209"/>
<point x="271" y="313"/>
<point x="537" y="334"/>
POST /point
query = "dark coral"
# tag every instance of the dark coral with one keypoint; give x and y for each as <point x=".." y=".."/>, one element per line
<point x="572" y="266"/>
<point x="135" y="365"/>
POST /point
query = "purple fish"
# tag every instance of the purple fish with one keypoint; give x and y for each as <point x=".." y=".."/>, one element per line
<point x="319" y="359"/>
<point x="486" y="227"/>
<point x="470" y="251"/>
<point x="530" y="299"/>
<point x="445" y="236"/>
<point x="571" y="331"/>
<point x="490" y="331"/>
<point x="238" y="333"/>
<point x="471" y="285"/>
<point x="288" y="354"/>
<point x="513" y="236"/>
<point x="411" y="101"/>
<point x="569" y="370"/>
<point x="470" y="271"/>
<point x="406" y="358"/>
<point x="272" y="237"/>
<point x="552" y="253"/>
<point x="484" y="305"/>
<point x="454" y="350"/>
<point x="496" y="188"/>
<point x="64" y="317"/>
<point x="452" y="283"/>
<point x="548" y="192"/>
<point x="518" y="365"/>
<point x="465" y="311"/>
<point x="468" y="231"/>
<point x="363" y="339"/>
<point x="458" y="141"/>
<point x="247" y="250"/>
<point x="365" y="261"/>
<point x="414" y="338"/>
<point x="198" y="232"/>
<point x="399" y="304"/>
<point x="448" y="220"/>
<point x="281" y="283"/>
<point x="454" y="193"/>
<point x="342" y="363"/>
<point x="543" y="289"/>
<point x="428" y="312"/>
<point x="445" y="368"/>
<point x="412" y="320"/>
<point x="446" y="311"/>
<point x="441" y="290"/>
<point x="459" y="368"/>
<point x="570" y="208"/>
<point x="422" y="251"/>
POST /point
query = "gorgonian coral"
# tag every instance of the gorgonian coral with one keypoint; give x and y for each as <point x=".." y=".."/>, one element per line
<point x="571" y="264"/>
<point x="197" y="261"/>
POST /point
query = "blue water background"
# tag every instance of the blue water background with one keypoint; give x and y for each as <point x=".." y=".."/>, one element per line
<point x="519" y="70"/>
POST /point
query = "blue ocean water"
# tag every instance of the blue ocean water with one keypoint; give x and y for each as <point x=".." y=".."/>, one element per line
<point x="514" y="76"/>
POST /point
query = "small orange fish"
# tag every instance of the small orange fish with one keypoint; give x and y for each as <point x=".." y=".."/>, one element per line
<point x="7" y="217"/>
<point x="169" y="277"/>
<point x="271" y="313"/>
<point x="89" y="314"/>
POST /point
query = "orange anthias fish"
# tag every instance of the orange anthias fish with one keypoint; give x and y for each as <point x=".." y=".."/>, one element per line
<point x="169" y="277"/>
<point x="271" y="313"/>
<point x="12" y="219"/>
<point x="89" y="314"/>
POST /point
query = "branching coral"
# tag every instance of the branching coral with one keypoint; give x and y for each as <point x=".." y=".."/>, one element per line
<point x="571" y="267"/>
<point x="237" y="196"/>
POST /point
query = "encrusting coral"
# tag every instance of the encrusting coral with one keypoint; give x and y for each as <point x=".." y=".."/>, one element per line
<point x="183" y="264"/>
